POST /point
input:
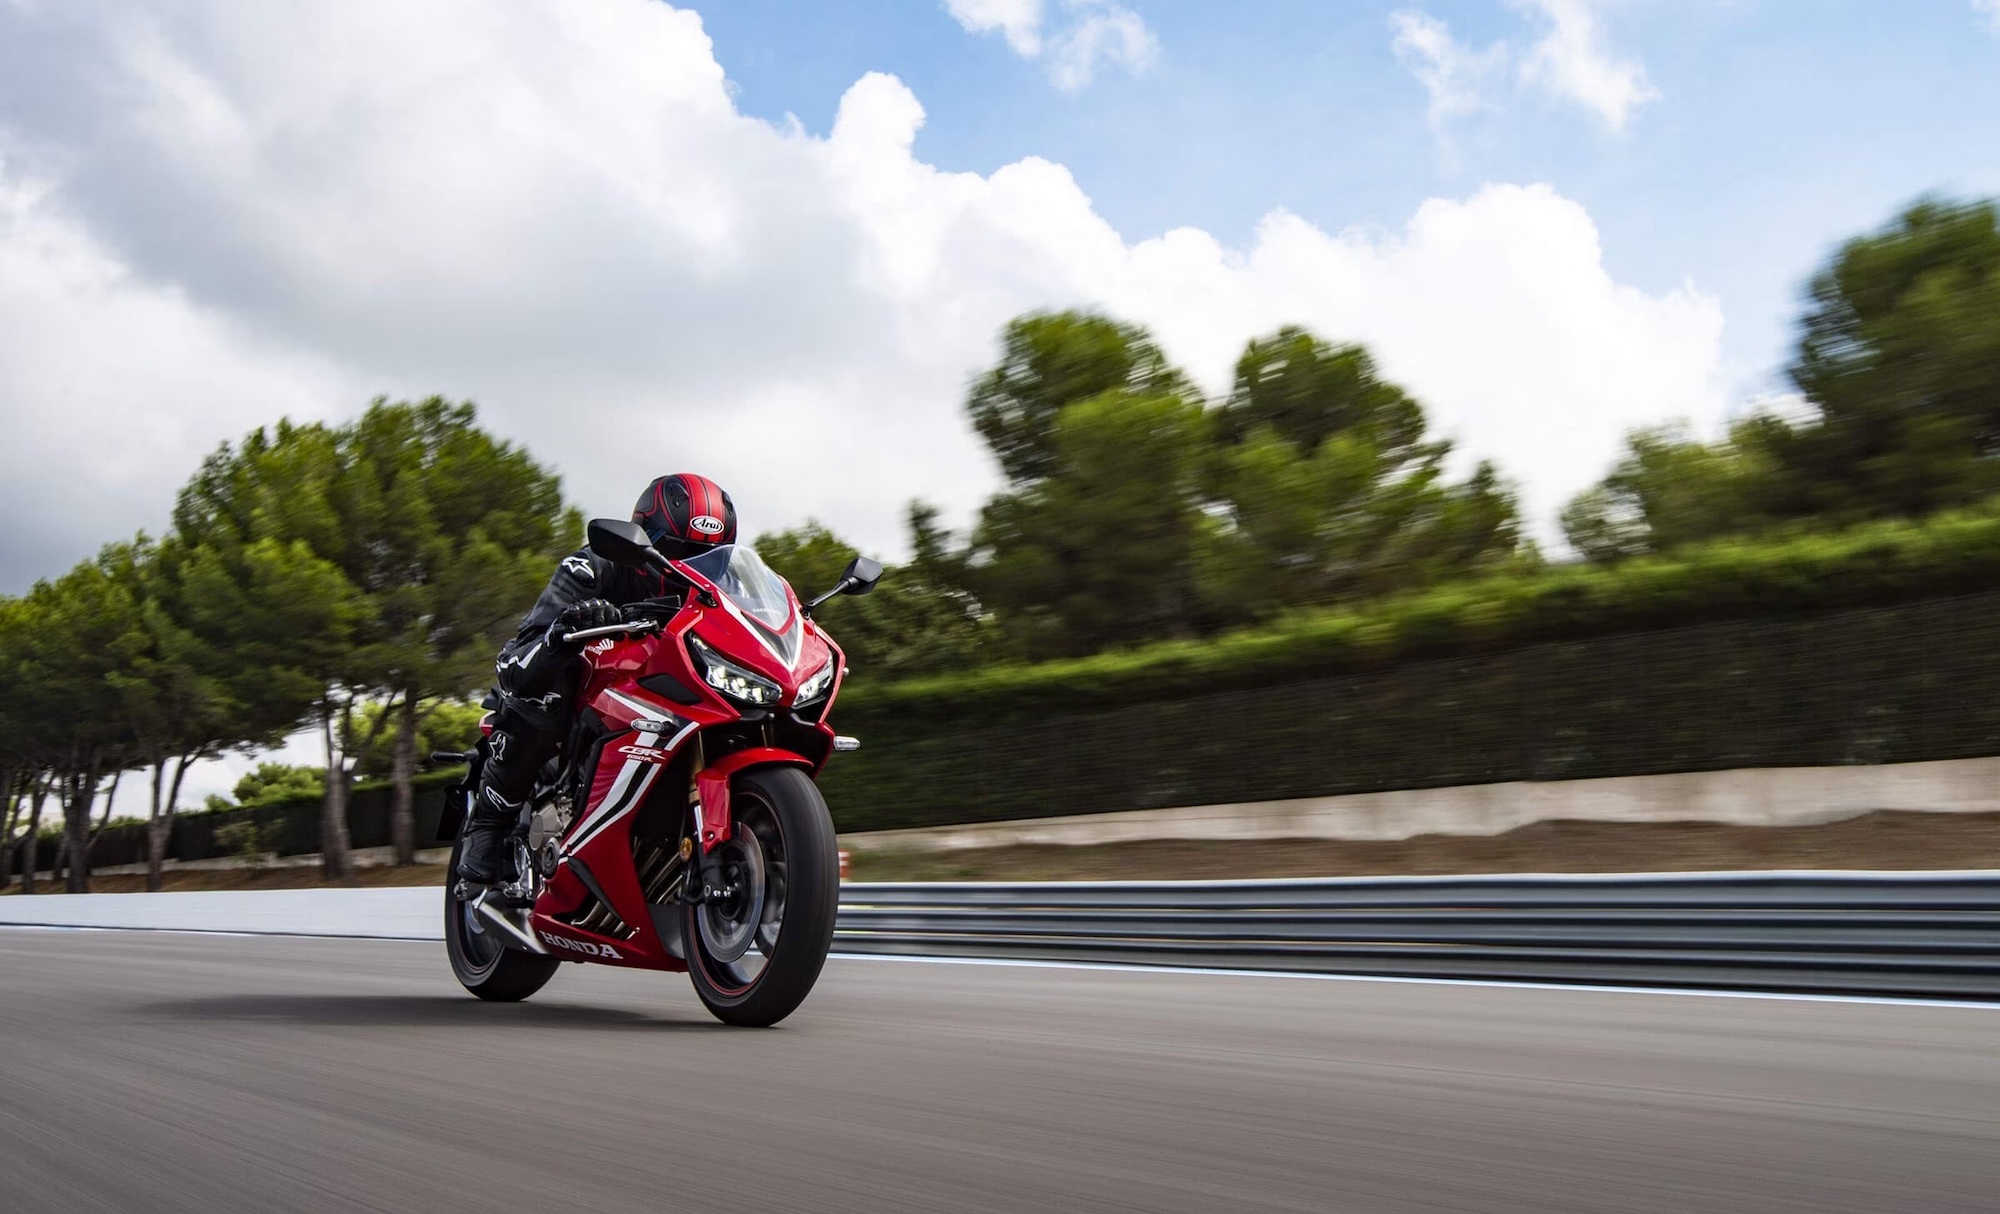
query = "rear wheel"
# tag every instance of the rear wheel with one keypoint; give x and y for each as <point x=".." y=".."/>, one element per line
<point x="755" y="955"/>
<point x="480" y="959"/>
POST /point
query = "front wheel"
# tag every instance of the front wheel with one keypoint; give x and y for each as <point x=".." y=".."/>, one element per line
<point x="755" y="955"/>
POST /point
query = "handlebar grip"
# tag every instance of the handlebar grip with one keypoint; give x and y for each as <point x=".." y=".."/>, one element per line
<point x="451" y="756"/>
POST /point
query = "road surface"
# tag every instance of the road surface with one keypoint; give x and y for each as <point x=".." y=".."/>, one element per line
<point x="168" y="1072"/>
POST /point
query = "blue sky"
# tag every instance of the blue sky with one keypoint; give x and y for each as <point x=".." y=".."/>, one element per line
<point x="1781" y="126"/>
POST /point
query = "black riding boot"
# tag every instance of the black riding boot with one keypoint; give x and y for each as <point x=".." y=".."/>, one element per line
<point x="488" y="855"/>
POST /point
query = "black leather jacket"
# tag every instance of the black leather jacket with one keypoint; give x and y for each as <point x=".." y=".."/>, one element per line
<point x="530" y="669"/>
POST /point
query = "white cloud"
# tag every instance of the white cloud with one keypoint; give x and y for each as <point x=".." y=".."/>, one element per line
<point x="113" y="388"/>
<point x="1087" y="33"/>
<point x="1572" y="61"/>
<point x="1569" y="61"/>
<point x="214" y="214"/>
<point x="1457" y="77"/>
<point x="1991" y="8"/>
<point x="1019" y="20"/>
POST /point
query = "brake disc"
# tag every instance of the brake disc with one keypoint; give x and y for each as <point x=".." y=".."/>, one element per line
<point x="729" y="924"/>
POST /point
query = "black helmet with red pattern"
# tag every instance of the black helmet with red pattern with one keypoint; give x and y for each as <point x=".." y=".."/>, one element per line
<point x="686" y="515"/>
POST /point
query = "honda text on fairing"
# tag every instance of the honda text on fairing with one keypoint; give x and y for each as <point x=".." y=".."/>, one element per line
<point x="681" y="829"/>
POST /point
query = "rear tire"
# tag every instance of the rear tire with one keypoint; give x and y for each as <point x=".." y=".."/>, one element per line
<point x="480" y="962"/>
<point x="783" y="807"/>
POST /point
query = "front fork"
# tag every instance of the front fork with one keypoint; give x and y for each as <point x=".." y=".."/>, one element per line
<point x="710" y="816"/>
<point x="711" y="813"/>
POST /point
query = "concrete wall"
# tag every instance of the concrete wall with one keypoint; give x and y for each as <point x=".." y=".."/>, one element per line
<point x="1779" y="796"/>
<point x="415" y="913"/>
<point x="364" y="857"/>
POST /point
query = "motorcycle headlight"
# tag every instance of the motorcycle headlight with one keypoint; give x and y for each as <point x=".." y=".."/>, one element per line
<point x="743" y="686"/>
<point x="815" y="685"/>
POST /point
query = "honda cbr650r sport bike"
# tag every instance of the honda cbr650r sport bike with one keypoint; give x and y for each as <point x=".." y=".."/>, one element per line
<point x="681" y="828"/>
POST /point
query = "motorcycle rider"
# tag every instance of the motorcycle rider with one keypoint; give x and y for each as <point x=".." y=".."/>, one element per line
<point x="684" y="515"/>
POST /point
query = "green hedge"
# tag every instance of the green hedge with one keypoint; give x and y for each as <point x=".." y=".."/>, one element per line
<point x="1894" y="684"/>
<point x="1881" y="564"/>
<point x="1878" y="644"/>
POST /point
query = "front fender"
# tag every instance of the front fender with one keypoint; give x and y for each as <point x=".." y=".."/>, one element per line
<point x="711" y="786"/>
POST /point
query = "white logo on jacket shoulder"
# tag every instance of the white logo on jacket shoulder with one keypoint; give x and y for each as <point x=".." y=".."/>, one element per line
<point x="707" y="524"/>
<point x="580" y="567"/>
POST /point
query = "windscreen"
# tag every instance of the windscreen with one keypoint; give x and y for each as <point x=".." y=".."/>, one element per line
<point x="740" y="573"/>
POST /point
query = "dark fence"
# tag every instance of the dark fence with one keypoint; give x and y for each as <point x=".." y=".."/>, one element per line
<point x="1883" y="685"/>
<point x="1922" y="935"/>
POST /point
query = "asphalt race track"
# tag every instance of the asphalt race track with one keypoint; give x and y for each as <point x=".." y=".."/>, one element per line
<point x="169" y="1072"/>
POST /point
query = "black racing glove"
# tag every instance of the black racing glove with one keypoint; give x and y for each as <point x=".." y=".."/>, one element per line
<point x="578" y="617"/>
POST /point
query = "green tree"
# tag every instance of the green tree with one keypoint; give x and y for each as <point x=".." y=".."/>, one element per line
<point x="1050" y="361"/>
<point x="169" y="697"/>
<point x="1103" y="443"/>
<point x="1099" y="551"/>
<point x="29" y="741"/>
<point x="1671" y="489"/>
<point x="270" y="520"/>
<point x="189" y="686"/>
<point x="1328" y="488"/>
<point x="1900" y="350"/>
<point x="1136" y="512"/>
<point x="458" y="533"/>
<point x="446" y="725"/>
<point x="440" y="535"/>
<point x="278" y="781"/>
<point x="81" y="629"/>
<point x="1308" y="391"/>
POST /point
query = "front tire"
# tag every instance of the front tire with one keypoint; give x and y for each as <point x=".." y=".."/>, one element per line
<point x="781" y="810"/>
<point x="480" y="962"/>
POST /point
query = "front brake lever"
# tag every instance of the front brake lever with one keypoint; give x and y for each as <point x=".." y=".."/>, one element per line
<point x="624" y="628"/>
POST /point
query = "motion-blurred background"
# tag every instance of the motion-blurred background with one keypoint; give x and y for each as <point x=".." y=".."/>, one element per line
<point x="1572" y="442"/>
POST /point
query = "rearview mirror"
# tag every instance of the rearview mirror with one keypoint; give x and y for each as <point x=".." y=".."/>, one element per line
<point x="859" y="578"/>
<point x="622" y="542"/>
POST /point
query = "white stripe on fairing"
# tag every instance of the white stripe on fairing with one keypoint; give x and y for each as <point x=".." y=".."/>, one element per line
<point x="589" y="830"/>
<point x="638" y="798"/>
<point x="674" y="742"/>
<point x="645" y="711"/>
<point x="618" y="788"/>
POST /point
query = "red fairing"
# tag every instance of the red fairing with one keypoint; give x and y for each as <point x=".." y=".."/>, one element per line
<point x="647" y="733"/>
<point x="712" y="786"/>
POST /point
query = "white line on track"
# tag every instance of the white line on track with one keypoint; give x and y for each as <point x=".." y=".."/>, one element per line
<point x="1792" y="996"/>
<point x="223" y="933"/>
<point x="1105" y="967"/>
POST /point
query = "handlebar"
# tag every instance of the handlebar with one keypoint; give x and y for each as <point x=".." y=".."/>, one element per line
<point x="642" y="617"/>
<point x="627" y="628"/>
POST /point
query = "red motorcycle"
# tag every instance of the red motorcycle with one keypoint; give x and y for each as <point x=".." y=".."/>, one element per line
<point x="681" y="829"/>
